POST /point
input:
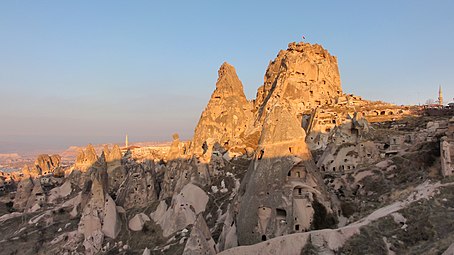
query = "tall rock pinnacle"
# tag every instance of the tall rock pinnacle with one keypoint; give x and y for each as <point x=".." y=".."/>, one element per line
<point x="227" y="114"/>
<point x="300" y="78"/>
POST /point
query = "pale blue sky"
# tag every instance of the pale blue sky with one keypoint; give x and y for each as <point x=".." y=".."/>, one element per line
<point x="74" y="72"/>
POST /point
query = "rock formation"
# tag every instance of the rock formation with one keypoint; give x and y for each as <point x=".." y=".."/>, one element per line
<point x="116" y="172"/>
<point x="303" y="169"/>
<point x="282" y="192"/>
<point x="302" y="77"/>
<point x="99" y="218"/>
<point x="24" y="190"/>
<point x="138" y="221"/>
<point x="46" y="164"/>
<point x="200" y="240"/>
<point x="43" y="165"/>
<point x="226" y="116"/>
<point x="447" y="150"/>
<point x="86" y="158"/>
<point x="177" y="149"/>
<point x="183" y="210"/>
<point x="138" y="188"/>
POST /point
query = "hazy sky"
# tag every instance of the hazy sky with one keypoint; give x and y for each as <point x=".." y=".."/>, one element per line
<point x="74" y="72"/>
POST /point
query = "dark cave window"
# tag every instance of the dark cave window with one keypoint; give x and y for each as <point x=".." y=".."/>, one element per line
<point x="281" y="213"/>
<point x="261" y="154"/>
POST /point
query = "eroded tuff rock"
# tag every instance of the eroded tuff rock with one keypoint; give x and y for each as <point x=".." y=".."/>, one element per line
<point x="24" y="190"/>
<point x="346" y="147"/>
<point x="43" y="165"/>
<point x="116" y="171"/>
<point x="137" y="222"/>
<point x="86" y="158"/>
<point x="47" y="164"/>
<point x="99" y="217"/>
<point x="200" y="240"/>
<point x="199" y="198"/>
<point x="282" y="192"/>
<point x="178" y="173"/>
<point x="226" y="116"/>
<point x="178" y="149"/>
<point x="183" y="210"/>
<point x="139" y="187"/>
<point x="302" y="77"/>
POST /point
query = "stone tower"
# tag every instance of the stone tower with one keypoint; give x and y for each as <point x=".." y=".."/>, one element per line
<point x="440" y="97"/>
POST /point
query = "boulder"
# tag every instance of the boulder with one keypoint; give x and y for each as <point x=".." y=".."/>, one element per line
<point x="200" y="240"/>
<point x="60" y="192"/>
<point x="183" y="209"/>
<point x="111" y="221"/>
<point x="138" y="221"/>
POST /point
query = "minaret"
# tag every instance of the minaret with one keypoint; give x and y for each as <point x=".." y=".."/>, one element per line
<point x="126" y="141"/>
<point x="440" y="97"/>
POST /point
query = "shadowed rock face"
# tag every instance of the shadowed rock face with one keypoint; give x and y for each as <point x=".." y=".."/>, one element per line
<point x="24" y="190"/>
<point x="200" y="241"/>
<point x="282" y="190"/>
<point x="115" y="170"/>
<point x="301" y="77"/>
<point x="138" y="188"/>
<point x="227" y="114"/>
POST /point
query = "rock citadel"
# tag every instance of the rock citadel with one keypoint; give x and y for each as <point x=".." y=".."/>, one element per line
<point x="302" y="169"/>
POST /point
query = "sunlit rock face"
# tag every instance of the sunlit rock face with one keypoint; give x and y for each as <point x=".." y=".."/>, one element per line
<point x="43" y="165"/>
<point x="86" y="158"/>
<point x="300" y="78"/>
<point x="282" y="192"/>
<point x="46" y="164"/>
<point x="226" y="116"/>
